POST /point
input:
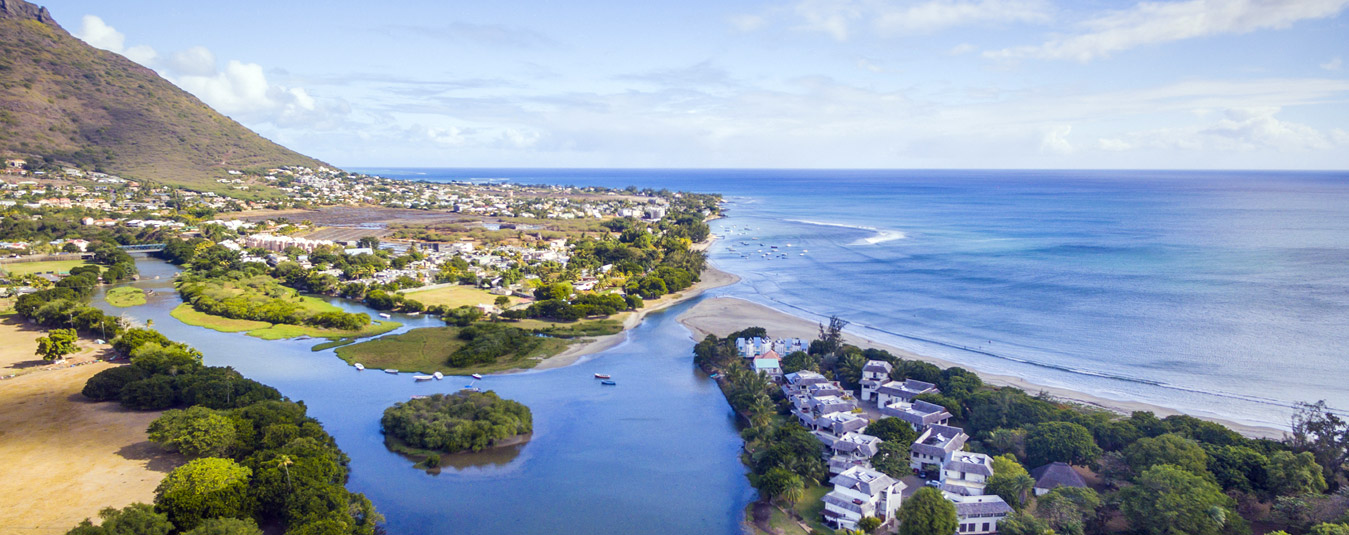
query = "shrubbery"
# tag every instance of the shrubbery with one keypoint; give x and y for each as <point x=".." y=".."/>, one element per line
<point x="457" y="422"/>
<point x="486" y="342"/>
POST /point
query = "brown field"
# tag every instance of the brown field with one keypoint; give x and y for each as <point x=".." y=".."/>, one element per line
<point x="65" y="457"/>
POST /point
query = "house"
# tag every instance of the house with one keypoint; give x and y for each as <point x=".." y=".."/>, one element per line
<point x="966" y="474"/>
<point x="839" y="424"/>
<point x="904" y="391"/>
<point x="851" y="449"/>
<point x="874" y="374"/>
<point x="919" y="414"/>
<point x="935" y="446"/>
<point x="1054" y="475"/>
<point x="979" y="515"/>
<point x="858" y="493"/>
<point x="797" y="382"/>
<point x="769" y="364"/>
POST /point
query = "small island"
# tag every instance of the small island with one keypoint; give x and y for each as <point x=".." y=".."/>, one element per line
<point x="125" y="296"/>
<point x="453" y="423"/>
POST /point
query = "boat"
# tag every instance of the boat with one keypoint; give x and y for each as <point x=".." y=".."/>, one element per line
<point x="423" y="377"/>
<point x="472" y="388"/>
<point x="419" y="396"/>
<point x="715" y="375"/>
<point x="608" y="383"/>
<point x="359" y="366"/>
<point x="438" y="376"/>
<point x="384" y="315"/>
<point x="395" y="372"/>
<point x="414" y="313"/>
<point x="601" y="376"/>
<point x="477" y="376"/>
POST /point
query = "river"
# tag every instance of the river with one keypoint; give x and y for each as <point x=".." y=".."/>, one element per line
<point x="656" y="454"/>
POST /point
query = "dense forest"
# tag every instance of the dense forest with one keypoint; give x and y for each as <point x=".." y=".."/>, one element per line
<point x="457" y="422"/>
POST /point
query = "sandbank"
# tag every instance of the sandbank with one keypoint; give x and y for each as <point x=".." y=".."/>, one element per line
<point x="723" y="315"/>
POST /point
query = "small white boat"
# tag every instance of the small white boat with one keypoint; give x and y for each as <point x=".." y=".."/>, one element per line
<point x="395" y="372"/>
<point x="414" y="313"/>
<point x="359" y="366"/>
<point x="438" y="376"/>
<point x="477" y="376"/>
<point x="385" y="316"/>
<point x="423" y="377"/>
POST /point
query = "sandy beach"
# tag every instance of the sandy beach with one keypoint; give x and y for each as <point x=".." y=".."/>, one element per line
<point x="67" y="457"/>
<point x="723" y="315"/>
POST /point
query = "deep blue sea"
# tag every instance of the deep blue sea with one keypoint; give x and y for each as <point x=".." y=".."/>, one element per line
<point x="1217" y="293"/>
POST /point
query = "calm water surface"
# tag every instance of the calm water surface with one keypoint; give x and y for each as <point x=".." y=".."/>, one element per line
<point x="657" y="454"/>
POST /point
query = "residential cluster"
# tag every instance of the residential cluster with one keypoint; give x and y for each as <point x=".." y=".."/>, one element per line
<point x="839" y="419"/>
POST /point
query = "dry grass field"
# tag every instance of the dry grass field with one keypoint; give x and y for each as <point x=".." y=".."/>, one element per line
<point x="65" y="457"/>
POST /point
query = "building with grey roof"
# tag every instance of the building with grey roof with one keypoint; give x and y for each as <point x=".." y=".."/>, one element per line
<point x="919" y="414"/>
<point x="905" y="391"/>
<point x="858" y="493"/>
<point x="979" y="515"/>
<point x="968" y="472"/>
<point x="935" y="445"/>
<point x="874" y="374"/>
<point x="1054" y="475"/>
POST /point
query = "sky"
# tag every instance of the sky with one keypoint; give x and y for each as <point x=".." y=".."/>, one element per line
<point x="1039" y="84"/>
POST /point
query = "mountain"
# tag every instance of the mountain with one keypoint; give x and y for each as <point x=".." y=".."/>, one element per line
<point x="63" y="99"/>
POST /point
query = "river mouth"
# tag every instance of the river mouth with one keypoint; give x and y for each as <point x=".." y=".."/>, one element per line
<point x="656" y="455"/>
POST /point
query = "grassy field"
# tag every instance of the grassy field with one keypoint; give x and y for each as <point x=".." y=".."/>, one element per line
<point x="427" y="350"/>
<point x="54" y="266"/>
<point x="267" y="331"/>
<point x="126" y="296"/>
<point x="572" y="329"/>
<point x="455" y="296"/>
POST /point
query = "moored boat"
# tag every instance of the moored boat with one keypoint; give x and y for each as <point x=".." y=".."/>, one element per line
<point x="601" y="376"/>
<point x="608" y="383"/>
<point x="359" y="366"/>
<point x="438" y="376"/>
<point x="476" y="376"/>
<point x="423" y="377"/>
<point x="384" y="315"/>
<point x="391" y="371"/>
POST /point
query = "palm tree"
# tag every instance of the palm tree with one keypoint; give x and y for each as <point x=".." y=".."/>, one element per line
<point x="284" y="461"/>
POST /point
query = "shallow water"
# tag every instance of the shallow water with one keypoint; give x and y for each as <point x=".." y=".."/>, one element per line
<point x="656" y="454"/>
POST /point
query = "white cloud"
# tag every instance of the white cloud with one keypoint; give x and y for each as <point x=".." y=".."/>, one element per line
<point x="195" y="61"/>
<point x="1055" y="139"/>
<point x="748" y="23"/>
<point x="1149" y="23"/>
<point x="962" y="49"/>
<point x="889" y="18"/>
<point x="1334" y="64"/>
<point x="1239" y="130"/>
<point x="100" y="35"/>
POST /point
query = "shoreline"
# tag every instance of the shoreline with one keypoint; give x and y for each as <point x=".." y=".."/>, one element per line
<point x="722" y="315"/>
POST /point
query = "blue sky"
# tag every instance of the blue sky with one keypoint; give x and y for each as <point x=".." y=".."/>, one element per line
<point x="799" y="83"/>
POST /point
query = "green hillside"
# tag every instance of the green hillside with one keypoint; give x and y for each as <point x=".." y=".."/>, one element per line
<point x="63" y="99"/>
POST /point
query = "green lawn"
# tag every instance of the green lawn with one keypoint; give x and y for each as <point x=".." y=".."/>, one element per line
<point x="126" y="296"/>
<point x="54" y="266"/>
<point x="571" y="329"/>
<point x="428" y="350"/>
<point x="267" y="331"/>
<point x="455" y="296"/>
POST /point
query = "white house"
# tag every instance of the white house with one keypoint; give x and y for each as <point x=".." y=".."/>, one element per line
<point x="935" y="446"/>
<point x="905" y="391"/>
<point x="979" y="515"/>
<point x="966" y="474"/>
<point x="858" y="493"/>
<point x="851" y="449"/>
<point x="919" y="414"/>
<point x="874" y="374"/>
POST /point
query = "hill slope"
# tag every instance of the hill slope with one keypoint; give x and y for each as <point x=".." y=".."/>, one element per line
<point x="64" y="99"/>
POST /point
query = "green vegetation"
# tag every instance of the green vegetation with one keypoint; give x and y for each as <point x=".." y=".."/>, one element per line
<point x="927" y="513"/>
<point x="69" y="102"/>
<point x="57" y="344"/>
<point x="268" y="331"/>
<point x="482" y="348"/>
<point x="257" y="458"/>
<point x="1174" y="475"/>
<point x="262" y="298"/>
<point x="453" y="296"/>
<point x="186" y="314"/>
<point x="50" y="266"/>
<point x="125" y="296"/>
<point x="466" y="421"/>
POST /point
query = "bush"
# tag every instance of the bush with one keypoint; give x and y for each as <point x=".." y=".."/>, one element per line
<point x="150" y="394"/>
<point x="107" y="385"/>
<point x="457" y="422"/>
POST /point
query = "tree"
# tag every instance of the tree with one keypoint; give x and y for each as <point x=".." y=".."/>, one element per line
<point x="1325" y="435"/>
<point x="502" y="301"/>
<point x="1010" y="481"/>
<point x="1068" y="510"/>
<point x="1169" y="449"/>
<point x="1060" y="442"/>
<point x="1023" y="523"/>
<point x="204" y="488"/>
<point x="799" y="360"/>
<point x="1170" y="500"/>
<point x="195" y="432"/>
<point x="927" y="513"/>
<point x="779" y="482"/>
<point x="892" y="459"/>
<point x="226" y="526"/>
<point x="134" y="519"/>
<point x="893" y="430"/>
<point x="1295" y="474"/>
<point x="869" y="524"/>
<point x="831" y="337"/>
<point x="1326" y="528"/>
<point x="57" y="344"/>
<point x="1239" y="467"/>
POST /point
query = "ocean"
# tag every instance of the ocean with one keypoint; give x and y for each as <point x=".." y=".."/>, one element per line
<point x="1222" y="294"/>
